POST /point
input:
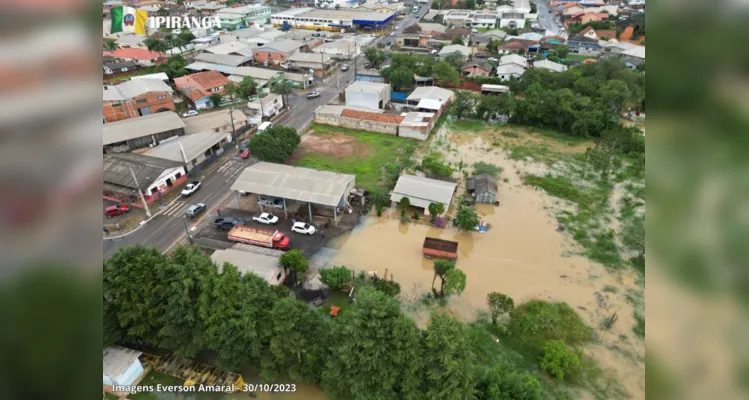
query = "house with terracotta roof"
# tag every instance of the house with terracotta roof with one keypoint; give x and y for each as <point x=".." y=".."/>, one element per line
<point x="473" y="69"/>
<point x="141" y="56"/>
<point x="606" y="34"/>
<point x="136" y="98"/>
<point x="584" y="18"/>
<point x="627" y="34"/>
<point x="199" y="87"/>
<point x="514" y="46"/>
<point x="589" y="32"/>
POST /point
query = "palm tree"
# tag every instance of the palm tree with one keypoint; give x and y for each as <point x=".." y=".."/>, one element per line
<point x="282" y="87"/>
<point x="111" y="45"/>
<point x="156" y="44"/>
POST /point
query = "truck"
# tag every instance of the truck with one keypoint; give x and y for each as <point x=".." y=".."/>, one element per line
<point x="439" y="248"/>
<point x="259" y="237"/>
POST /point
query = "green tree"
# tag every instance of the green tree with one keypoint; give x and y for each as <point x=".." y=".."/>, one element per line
<point x="375" y="56"/>
<point x="448" y="361"/>
<point x="390" y="288"/>
<point x="504" y="383"/>
<point x="284" y="88"/>
<point x="236" y="315"/>
<point x="375" y="337"/>
<point x="457" y="40"/>
<point x="559" y="360"/>
<point x="404" y="203"/>
<point x="295" y="350"/>
<point x="466" y="218"/>
<point x="111" y="45"/>
<point x="493" y="106"/>
<point x="454" y="282"/>
<point x="156" y="44"/>
<point x="463" y="105"/>
<point x="132" y="293"/>
<point x="400" y="77"/>
<point x="335" y="277"/>
<point x="537" y="321"/>
<point x="441" y="268"/>
<point x="216" y="99"/>
<point x="486" y="168"/>
<point x="445" y="73"/>
<point x="276" y="144"/>
<point x="499" y="304"/>
<point x="433" y="164"/>
<point x="436" y="209"/>
<point x="246" y="87"/>
<point x="615" y="94"/>
<point x="456" y="60"/>
<point x="174" y="67"/>
<point x="562" y="51"/>
<point x="182" y="282"/>
<point x="379" y="198"/>
<point x="294" y="261"/>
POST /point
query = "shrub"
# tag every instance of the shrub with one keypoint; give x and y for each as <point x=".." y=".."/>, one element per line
<point x="486" y="168"/>
<point x="335" y="277"/>
<point x="537" y="321"/>
<point x="559" y="360"/>
<point x="390" y="288"/>
<point x="404" y="203"/>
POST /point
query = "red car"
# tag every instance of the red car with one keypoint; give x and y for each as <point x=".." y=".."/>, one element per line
<point x="245" y="153"/>
<point x="112" y="211"/>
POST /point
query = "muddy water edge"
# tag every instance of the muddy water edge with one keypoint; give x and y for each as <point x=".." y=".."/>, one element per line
<point x="522" y="255"/>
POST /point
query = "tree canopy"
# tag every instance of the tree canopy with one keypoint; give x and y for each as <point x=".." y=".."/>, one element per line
<point x="246" y="87"/>
<point x="374" y="55"/>
<point x="276" y="144"/>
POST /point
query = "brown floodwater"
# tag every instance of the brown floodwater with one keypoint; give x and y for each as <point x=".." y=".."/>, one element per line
<point x="521" y="255"/>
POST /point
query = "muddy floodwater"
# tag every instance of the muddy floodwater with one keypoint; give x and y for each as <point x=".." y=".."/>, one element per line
<point x="522" y="255"/>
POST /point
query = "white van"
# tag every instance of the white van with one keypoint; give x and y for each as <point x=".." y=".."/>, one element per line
<point x="263" y="127"/>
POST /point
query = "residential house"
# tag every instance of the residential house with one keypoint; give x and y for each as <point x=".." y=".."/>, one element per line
<point x="534" y="36"/>
<point x="512" y="20"/>
<point x="113" y="69"/>
<point x="572" y="9"/>
<point x="421" y="192"/>
<point x="127" y="173"/>
<point x="371" y="95"/>
<point x="428" y="28"/>
<point x="265" y="108"/>
<point x="493" y="35"/>
<point x="136" y="98"/>
<point x="193" y="149"/>
<point x="430" y="98"/>
<point x="277" y="51"/>
<point x="224" y="59"/>
<point x="263" y="76"/>
<point x="465" y="51"/>
<point x="515" y="46"/>
<point x="417" y="40"/>
<point x="313" y="61"/>
<point x="474" y="69"/>
<point x="232" y="49"/>
<point x="589" y="32"/>
<point x="605" y="34"/>
<point x="161" y="76"/>
<point x="417" y="125"/>
<point x="583" y="45"/>
<point x="549" y="65"/>
<point x="509" y="71"/>
<point x="200" y="86"/>
<point x="514" y="59"/>
<point x="483" y="188"/>
<point x="339" y="49"/>
<point x="235" y="17"/>
<point x="144" y="57"/>
<point x="449" y="35"/>
<point x="553" y="40"/>
<point x="587" y="17"/>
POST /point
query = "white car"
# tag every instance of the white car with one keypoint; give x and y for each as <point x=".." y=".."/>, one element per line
<point x="392" y="33"/>
<point x="190" y="113"/>
<point x="268" y="202"/>
<point x="492" y="59"/>
<point x="266" y="218"/>
<point x="397" y="27"/>
<point x="303" y="228"/>
<point x="191" y="188"/>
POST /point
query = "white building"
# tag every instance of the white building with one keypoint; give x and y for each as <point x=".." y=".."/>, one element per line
<point x="514" y="17"/>
<point x="269" y="106"/>
<point x="465" y="51"/>
<point x="121" y="366"/>
<point x="341" y="48"/>
<point x="549" y="65"/>
<point x="507" y="71"/>
<point x="372" y="95"/>
<point x="421" y="192"/>
<point x="514" y="59"/>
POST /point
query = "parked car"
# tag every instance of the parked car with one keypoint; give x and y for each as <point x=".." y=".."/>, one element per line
<point x="285" y="65"/>
<point x="392" y="33"/>
<point x="190" y="113"/>
<point x="115" y="210"/>
<point x="313" y="95"/>
<point x="194" y="210"/>
<point x="344" y="67"/>
<point x="303" y="228"/>
<point x="227" y="223"/>
<point x="191" y="188"/>
<point x="266" y="218"/>
<point x="245" y="144"/>
<point x="245" y="153"/>
<point x="268" y="202"/>
<point x="492" y="59"/>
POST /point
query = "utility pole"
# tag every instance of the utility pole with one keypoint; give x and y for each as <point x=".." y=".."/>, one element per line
<point x="140" y="192"/>
<point x="187" y="231"/>
<point x="231" y="115"/>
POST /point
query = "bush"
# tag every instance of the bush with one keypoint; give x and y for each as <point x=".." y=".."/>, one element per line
<point x="536" y="322"/>
<point x="275" y="145"/>
<point x="486" y="168"/>
<point x="404" y="203"/>
<point x="390" y="288"/>
<point x="415" y="216"/>
<point x="335" y="277"/>
<point x="559" y="360"/>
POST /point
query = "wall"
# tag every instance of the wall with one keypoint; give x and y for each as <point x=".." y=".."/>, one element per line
<point x="351" y="123"/>
<point x="160" y="183"/>
<point x="414" y="133"/>
<point x="129" y="108"/>
<point x="363" y="99"/>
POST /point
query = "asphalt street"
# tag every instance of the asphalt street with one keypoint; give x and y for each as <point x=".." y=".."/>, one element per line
<point x="408" y="21"/>
<point x="546" y="18"/>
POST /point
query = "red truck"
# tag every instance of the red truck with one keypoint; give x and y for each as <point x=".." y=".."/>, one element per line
<point x="259" y="237"/>
<point x="438" y="248"/>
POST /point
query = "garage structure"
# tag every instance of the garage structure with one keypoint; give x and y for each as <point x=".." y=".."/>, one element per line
<point x="305" y="185"/>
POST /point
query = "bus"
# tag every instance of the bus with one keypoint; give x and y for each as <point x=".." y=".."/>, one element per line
<point x="494" y="89"/>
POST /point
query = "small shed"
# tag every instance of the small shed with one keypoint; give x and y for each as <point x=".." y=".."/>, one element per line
<point x="483" y="187"/>
<point x="121" y="366"/>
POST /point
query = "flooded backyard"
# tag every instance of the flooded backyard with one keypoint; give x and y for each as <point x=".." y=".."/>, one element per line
<point x="522" y="255"/>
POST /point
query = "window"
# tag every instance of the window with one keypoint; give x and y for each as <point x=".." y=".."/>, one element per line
<point x="141" y="101"/>
<point x="117" y="105"/>
<point x="160" y="97"/>
<point x="278" y="277"/>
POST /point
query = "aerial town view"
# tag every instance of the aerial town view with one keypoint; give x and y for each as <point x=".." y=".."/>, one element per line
<point x="374" y="199"/>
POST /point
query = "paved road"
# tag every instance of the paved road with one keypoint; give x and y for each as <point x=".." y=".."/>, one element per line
<point x="545" y="18"/>
<point x="168" y="227"/>
<point x="408" y="21"/>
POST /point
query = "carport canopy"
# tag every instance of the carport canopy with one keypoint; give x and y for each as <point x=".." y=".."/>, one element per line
<point x="295" y="183"/>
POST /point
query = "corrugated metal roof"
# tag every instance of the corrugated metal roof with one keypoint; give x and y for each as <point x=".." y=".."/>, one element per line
<point x="117" y="169"/>
<point x="133" y="88"/>
<point x="429" y="104"/>
<point x="117" y="359"/>
<point x="193" y="145"/>
<point x="223" y="59"/>
<point x="430" y="92"/>
<point x="266" y="267"/>
<point x="295" y="183"/>
<point x="131" y="128"/>
<point x="423" y="191"/>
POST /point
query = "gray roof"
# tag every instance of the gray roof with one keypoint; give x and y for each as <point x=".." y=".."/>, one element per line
<point x="494" y="33"/>
<point x="194" y="145"/>
<point x="147" y="169"/>
<point x="117" y="359"/>
<point x="266" y="267"/>
<point x="283" y="46"/>
<point x="257" y="73"/>
<point x="244" y="49"/>
<point x="367" y="87"/>
<point x="463" y="50"/>
<point x="430" y="92"/>
<point x="310" y="57"/>
<point x="133" y="88"/>
<point x="212" y="120"/>
<point x="296" y="183"/>
<point x="223" y="59"/>
<point x="482" y="184"/>
<point x="131" y="128"/>
<point x="423" y="191"/>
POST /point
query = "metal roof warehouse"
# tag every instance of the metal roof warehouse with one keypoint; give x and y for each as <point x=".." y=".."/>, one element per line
<point x="423" y="191"/>
<point x="147" y="125"/>
<point x="296" y="183"/>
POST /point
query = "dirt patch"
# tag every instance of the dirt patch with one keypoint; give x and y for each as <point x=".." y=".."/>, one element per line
<point x="337" y="144"/>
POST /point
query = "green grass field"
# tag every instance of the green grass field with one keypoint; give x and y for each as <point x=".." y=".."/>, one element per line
<point x="579" y="57"/>
<point x="380" y="149"/>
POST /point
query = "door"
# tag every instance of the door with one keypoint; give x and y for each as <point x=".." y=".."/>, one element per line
<point x="144" y="111"/>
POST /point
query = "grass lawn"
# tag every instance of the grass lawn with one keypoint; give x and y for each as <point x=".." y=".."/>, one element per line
<point x="378" y="150"/>
<point x="579" y="57"/>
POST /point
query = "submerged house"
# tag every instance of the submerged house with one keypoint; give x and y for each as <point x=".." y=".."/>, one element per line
<point x="483" y="188"/>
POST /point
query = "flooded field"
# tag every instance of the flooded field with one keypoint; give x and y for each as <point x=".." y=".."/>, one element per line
<point x="522" y="255"/>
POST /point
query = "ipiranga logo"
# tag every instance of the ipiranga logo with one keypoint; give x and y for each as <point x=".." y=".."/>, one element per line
<point x="132" y="20"/>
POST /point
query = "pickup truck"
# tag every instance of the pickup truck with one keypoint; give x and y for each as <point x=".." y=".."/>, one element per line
<point x="266" y="219"/>
<point x="191" y="188"/>
<point x="259" y="237"/>
<point x="438" y="248"/>
<point x="227" y="223"/>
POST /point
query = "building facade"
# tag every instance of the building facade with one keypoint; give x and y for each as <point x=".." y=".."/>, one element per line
<point x="135" y="99"/>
